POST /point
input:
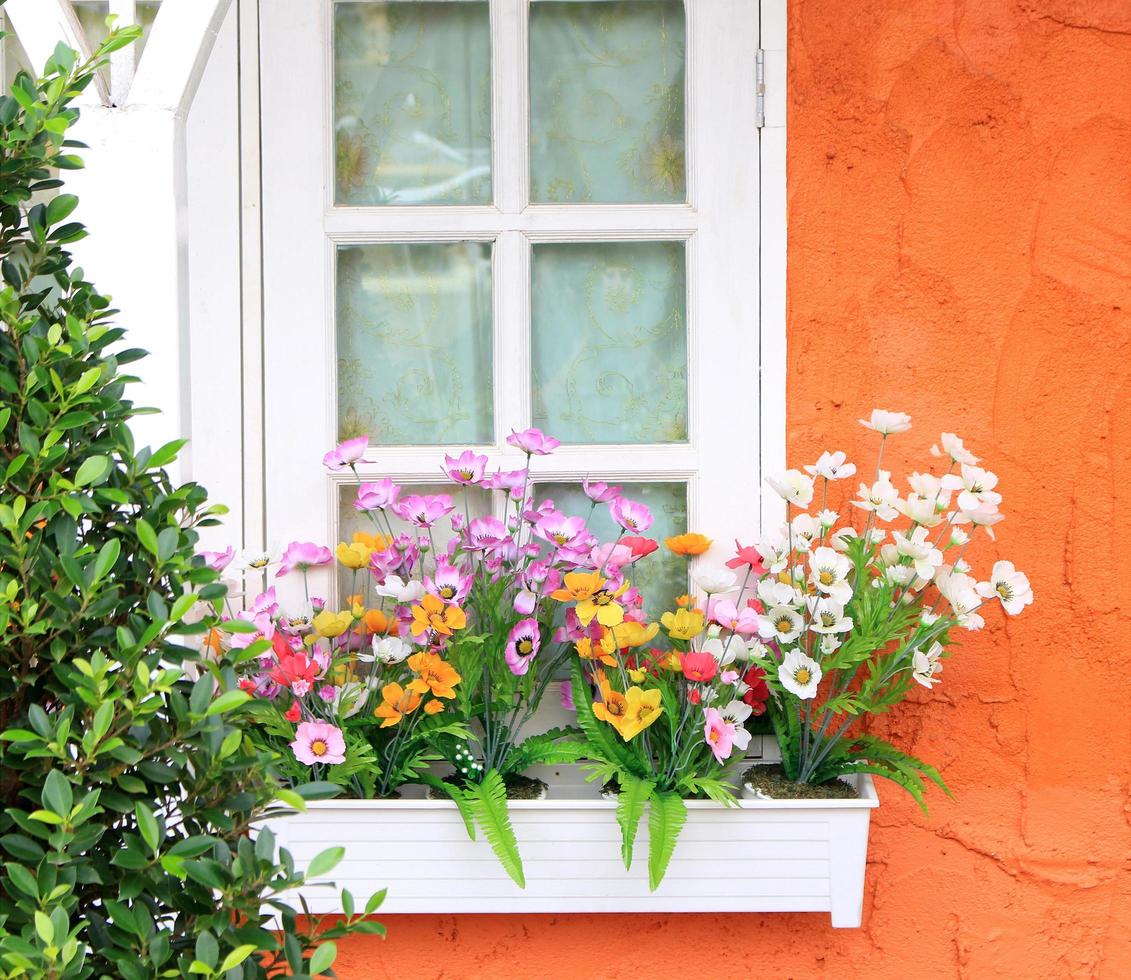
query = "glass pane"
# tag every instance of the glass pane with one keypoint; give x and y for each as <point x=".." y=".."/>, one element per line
<point x="470" y="501"/>
<point x="609" y="344"/>
<point x="412" y="90"/>
<point x="414" y="343"/>
<point x="607" y="101"/>
<point x="661" y="576"/>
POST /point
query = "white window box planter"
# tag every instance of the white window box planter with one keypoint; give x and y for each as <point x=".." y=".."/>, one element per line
<point x="763" y="856"/>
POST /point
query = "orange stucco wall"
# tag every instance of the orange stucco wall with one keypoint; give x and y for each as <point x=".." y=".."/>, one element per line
<point x="960" y="248"/>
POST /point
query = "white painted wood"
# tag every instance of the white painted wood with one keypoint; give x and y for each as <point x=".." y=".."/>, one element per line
<point x="41" y="25"/>
<point x="762" y="856"/>
<point x="176" y="52"/>
<point x="123" y="62"/>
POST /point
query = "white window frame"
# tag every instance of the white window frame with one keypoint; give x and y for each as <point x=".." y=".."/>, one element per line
<point x="736" y="296"/>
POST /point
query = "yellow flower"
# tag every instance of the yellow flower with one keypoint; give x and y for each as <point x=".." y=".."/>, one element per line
<point x="435" y="614"/>
<point x="397" y="703"/>
<point x="683" y="624"/>
<point x="434" y="674"/>
<point x="603" y="650"/>
<point x="612" y="709"/>
<point x="602" y="604"/>
<point x="633" y="634"/>
<point x="688" y="544"/>
<point x="374" y="542"/>
<point x="578" y="586"/>
<point x="353" y="556"/>
<point x="641" y="709"/>
<point x="637" y="675"/>
<point x="685" y="601"/>
<point x="330" y="624"/>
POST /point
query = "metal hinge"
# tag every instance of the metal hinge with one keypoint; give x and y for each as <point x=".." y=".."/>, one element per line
<point x="760" y="89"/>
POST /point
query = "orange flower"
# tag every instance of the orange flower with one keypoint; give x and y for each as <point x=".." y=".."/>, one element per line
<point x="434" y="674"/>
<point x="435" y="614"/>
<point x="377" y="622"/>
<point x="688" y="544"/>
<point x="602" y="650"/>
<point x="578" y="586"/>
<point x="397" y="703"/>
<point x="434" y="707"/>
<point x="211" y="641"/>
<point x="614" y="708"/>
<point x="374" y="542"/>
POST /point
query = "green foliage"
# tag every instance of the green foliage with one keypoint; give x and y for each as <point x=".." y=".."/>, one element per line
<point x="127" y="785"/>
<point x="487" y="802"/>
<point x="666" y="816"/>
<point x="631" y="800"/>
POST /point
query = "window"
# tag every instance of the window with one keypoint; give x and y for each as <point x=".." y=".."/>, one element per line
<point x="480" y="216"/>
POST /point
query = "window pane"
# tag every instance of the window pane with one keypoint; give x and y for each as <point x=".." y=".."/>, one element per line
<point x="609" y="344"/>
<point x="607" y="101"/>
<point x="412" y="91"/>
<point x="661" y="576"/>
<point x="414" y="343"/>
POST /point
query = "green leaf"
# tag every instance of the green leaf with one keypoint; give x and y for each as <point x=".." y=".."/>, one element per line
<point x="325" y="861"/>
<point x="375" y="901"/>
<point x="227" y="701"/>
<point x="457" y="796"/>
<point x="488" y="802"/>
<point x="631" y="800"/>
<point x="146" y="535"/>
<point x="323" y="958"/>
<point x="236" y="957"/>
<point x="666" y="817"/>
<point x="107" y="557"/>
<point x="57" y="795"/>
<point x="147" y="826"/>
<point x="93" y="470"/>
<point x="60" y="207"/>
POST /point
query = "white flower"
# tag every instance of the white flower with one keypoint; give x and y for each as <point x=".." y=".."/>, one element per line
<point x="390" y="649"/>
<point x="920" y="510"/>
<point x="255" y="560"/>
<point x="828" y="573"/>
<point x="830" y="643"/>
<point x="719" y="649"/>
<point x="959" y="537"/>
<point x="773" y="592"/>
<point x="959" y="590"/>
<point x="925" y="666"/>
<point x="887" y="423"/>
<point x="879" y="497"/>
<point x="793" y="486"/>
<point x="827" y="616"/>
<point x="1008" y="585"/>
<point x="800" y="674"/>
<point x="832" y="467"/>
<point x="827" y="518"/>
<point x="394" y="587"/>
<point x="986" y="516"/>
<point x="774" y="549"/>
<point x="780" y="623"/>
<point x="715" y="580"/>
<point x="926" y="559"/>
<point x="805" y="529"/>
<point x="736" y="712"/>
<point x="349" y="699"/>
<point x="975" y="487"/>
<point x="952" y="447"/>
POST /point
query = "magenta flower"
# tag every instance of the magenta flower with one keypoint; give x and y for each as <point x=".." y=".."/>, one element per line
<point x="346" y="453"/>
<point x="566" y="695"/>
<point x="301" y="555"/>
<point x="630" y="515"/>
<point x="423" y="510"/>
<point x="449" y="584"/>
<point x="524" y="602"/>
<point x="743" y="621"/>
<point x="560" y="530"/>
<point x="466" y="469"/>
<point x="376" y="496"/>
<point x="598" y="492"/>
<point x="522" y="645"/>
<point x="318" y="741"/>
<point x="533" y="442"/>
<point x="485" y="532"/>
<point x="718" y="733"/>
<point x="218" y="560"/>
<point x="512" y="481"/>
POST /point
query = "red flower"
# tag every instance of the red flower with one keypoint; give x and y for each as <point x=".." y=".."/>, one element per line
<point x="293" y="713"/>
<point x="747" y="556"/>
<point x="759" y="692"/>
<point x="698" y="666"/>
<point x="693" y="695"/>
<point x="295" y="672"/>
<point x="247" y="684"/>
<point x="640" y="546"/>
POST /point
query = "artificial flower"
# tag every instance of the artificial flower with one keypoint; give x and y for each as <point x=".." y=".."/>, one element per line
<point x="375" y="622"/>
<point x="975" y="488"/>
<point x="793" y="486"/>
<point x="728" y="615"/>
<point x="293" y="713"/>
<point x="1009" y="586"/>
<point x="950" y="445"/>
<point x="255" y="560"/>
<point x="826" y="616"/>
<point x="757" y="691"/>
<point x="303" y="555"/>
<point x="714" y="580"/>
<point x="390" y="649"/>
<point x="467" y="468"/>
<point x="688" y="544"/>
<point x="560" y="530"/>
<point x="917" y="548"/>
<point x="376" y="496"/>
<point x="633" y="517"/>
<point x="435" y="614"/>
<point x="330" y="624"/>
<point x="433" y="674"/>
<point x="598" y="492"/>
<point x="523" y="643"/>
<point x="747" y="556"/>
<point x="353" y="556"/>
<point x="449" y="583"/>
<point x="719" y="734"/>
<point x="926" y="666"/>
<point x="832" y="466"/>
<point x="828" y="574"/>
<point x="782" y="624"/>
<point x="396" y="588"/>
<point x="632" y="635"/>
<point x="960" y="590"/>
<point x="641" y="709"/>
<point x="348" y="698"/>
<point x="219" y="560"/>
<point x="578" y="586"/>
<point x="318" y="741"/>
<point x="423" y="510"/>
<point x="533" y="442"/>
<point x="887" y="423"/>
<point x="639" y="547"/>
<point x="879" y="498"/>
<point x="698" y="667"/>
<point x="800" y="674"/>
<point x="397" y="702"/>
<point x="346" y="453"/>
<point x="612" y="708"/>
<point x="683" y="624"/>
<point x="602" y="605"/>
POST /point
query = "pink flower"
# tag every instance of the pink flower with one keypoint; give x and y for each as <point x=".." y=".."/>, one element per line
<point x="423" y="510"/>
<point x="346" y="453"/>
<point x="524" y="602"/>
<point x="742" y="621"/>
<point x="302" y="555"/>
<point x="748" y="556"/>
<point x="533" y="442"/>
<point x="449" y="584"/>
<point x="467" y="468"/>
<point x="567" y="696"/>
<point x="485" y="533"/>
<point x="630" y="515"/>
<point x="218" y="560"/>
<point x="718" y="733"/>
<point x="598" y="492"/>
<point x="560" y="530"/>
<point x="522" y="645"/>
<point x="376" y="496"/>
<point x="641" y="547"/>
<point x="512" y="481"/>
<point x="610" y="556"/>
<point x="317" y="741"/>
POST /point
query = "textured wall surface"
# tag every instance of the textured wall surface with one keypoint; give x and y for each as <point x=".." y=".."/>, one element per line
<point x="960" y="249"/>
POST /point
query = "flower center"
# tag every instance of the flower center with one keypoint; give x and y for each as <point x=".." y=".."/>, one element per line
<point x="802" y="675"/>
<point x="615" y="708"/>
<point x="257" y="563"/>
<point x="525" y="646"/>
<point x="827" y="619"/>
<point x="447" y="592"/>
<point x="602" y="598"/>
<point x="825" y="577"/>
<point x="560" y="538"/>
<point x="1005" y="590"/>
<point x="784" y="624"/>
<point x="466" y="474"/>
<point x="318" y="747"/>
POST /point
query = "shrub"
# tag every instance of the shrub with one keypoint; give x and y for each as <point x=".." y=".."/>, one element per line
<point x="126" y="781"/>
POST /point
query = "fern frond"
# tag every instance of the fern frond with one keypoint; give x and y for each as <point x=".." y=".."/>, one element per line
<point x="631" y="800"/>
<point x="604" y="742"/>
<point x="458" y="797"/>
<point x="488" y="801"/>
<point x="666" y="817"/>
<point x="557" y="747"/>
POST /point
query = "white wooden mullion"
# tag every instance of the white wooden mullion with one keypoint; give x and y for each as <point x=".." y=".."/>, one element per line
<point x="122" y="61"/>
